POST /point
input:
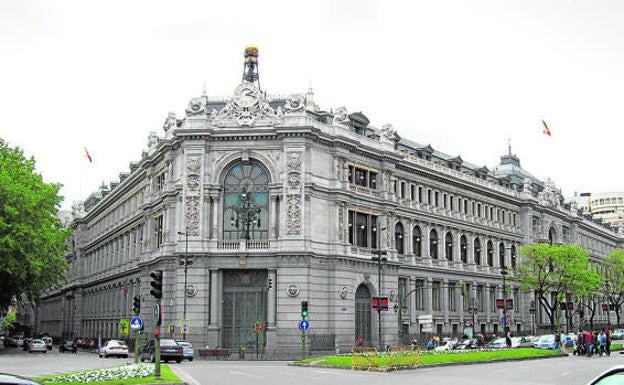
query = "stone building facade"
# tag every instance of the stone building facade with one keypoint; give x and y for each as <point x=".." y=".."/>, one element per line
<point x="254" y="203"/>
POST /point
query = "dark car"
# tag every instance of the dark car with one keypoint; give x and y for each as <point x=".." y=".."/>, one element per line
<point x="68" y="346"/>
<point x="169" y="351"/>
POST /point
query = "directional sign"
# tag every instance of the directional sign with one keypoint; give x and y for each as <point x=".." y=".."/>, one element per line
<point x="157" y="314"/>
<point x="136" y="323"/>
<point x="184" y="326"/>
<point x="304" y="324"/>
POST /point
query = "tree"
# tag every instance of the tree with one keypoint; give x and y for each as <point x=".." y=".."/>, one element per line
<point x="612" y="280"/>
<point x="555" y="273"/>
<point x="32" y="238"/>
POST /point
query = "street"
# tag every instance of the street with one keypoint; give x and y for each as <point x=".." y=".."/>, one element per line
<point x="569" y="370"/>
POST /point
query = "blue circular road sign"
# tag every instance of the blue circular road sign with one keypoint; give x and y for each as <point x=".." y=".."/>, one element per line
<point x="304" y="325"/>
<point x="136" y="323"/>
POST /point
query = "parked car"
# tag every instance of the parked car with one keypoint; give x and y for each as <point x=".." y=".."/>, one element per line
<point x="114" y="348"/>
<point x="523" y="342"/>
<point x="68" y="346"/>
<point x="48" y="341"/>
<point x="617" y="334"/>
<point x="466" y="344"/>
<point x="37" y="346"/>
<point x="169" y="351"/>
<point x="187" y="350"/>
<point x="498" y="343"/>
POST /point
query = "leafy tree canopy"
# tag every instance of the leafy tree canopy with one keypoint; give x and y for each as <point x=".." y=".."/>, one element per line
<point x="32" y="237"/>
<point x="559" y="270"/>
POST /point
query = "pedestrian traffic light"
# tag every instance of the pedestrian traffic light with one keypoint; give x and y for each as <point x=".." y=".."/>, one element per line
<point x="136" y="305"/>
<point x="156" y="284"/>
<point x="375" y="304"/>
<point x="304" y="309"/>
<point x="605" y="307"/>
<point x="570" y="305"/>
<point x="509" y="304"/>
<point x="384" y="303"/>
<point x="500" y="303"/>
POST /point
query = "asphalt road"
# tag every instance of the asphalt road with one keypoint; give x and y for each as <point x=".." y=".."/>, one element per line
<point x="569" y="370"/>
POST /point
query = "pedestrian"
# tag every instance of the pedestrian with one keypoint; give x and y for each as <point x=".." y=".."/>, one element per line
<point x="557" y="340"/>
<point x="430" y="344"/>
<point x="508" y="340"/>
<point x="580" y="343"/>
<point x="602" y="343"/>
<point x="608" y="342"/>
<point x="594" y="342"/>
<point x="588" y="344"/>
<point x="563" y="342"/>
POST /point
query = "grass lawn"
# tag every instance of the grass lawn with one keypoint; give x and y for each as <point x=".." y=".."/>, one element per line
<point x="118" y="375"/>
<point x="411" y="358"/>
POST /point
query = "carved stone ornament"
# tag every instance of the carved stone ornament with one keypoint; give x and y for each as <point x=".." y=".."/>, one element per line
<point x="295" y="103"/>
<point x="293" y="221"/>
<point x="247" y="106"/>
<point x="343" y="292"/>
<point x="191" y="290"/>
<point x="341" y="117"/>
<point x="388" y="133"/>
<point x="549" y="197"/>
<point x="292" y="290"/>
<point x="196" y="106"/>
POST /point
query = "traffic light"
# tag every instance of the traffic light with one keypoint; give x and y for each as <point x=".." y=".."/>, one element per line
<point x="605" y="307"/>
<point x="500" y="303"/>
<point x="384" y="303"/>
<point x="156" y="291"/>
<point x="581" y="311"/>
<point x="375" y="304"/>
<point x="570" y="306"/>
<point x="269" y="283"/>
<point x="509" y="304"/>
<point x="304" y="309"/>
<point x="136" y="305"/>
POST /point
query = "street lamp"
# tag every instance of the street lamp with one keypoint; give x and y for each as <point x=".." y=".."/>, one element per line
<point x="247" y="213"/>
<point x="379" y="257"/>
<point x="504" y="274"/>
<point x="185" y="262"/>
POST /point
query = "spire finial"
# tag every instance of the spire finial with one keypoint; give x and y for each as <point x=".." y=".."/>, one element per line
<point x="509" y="145"/>
<point x="250" y="71"/>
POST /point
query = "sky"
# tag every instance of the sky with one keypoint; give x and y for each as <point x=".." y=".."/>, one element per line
<point x="467" y="77"/>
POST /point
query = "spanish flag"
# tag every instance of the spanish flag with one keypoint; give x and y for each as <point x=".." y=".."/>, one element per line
<point x="87" y="155"/>
<point x="545" y="131"/>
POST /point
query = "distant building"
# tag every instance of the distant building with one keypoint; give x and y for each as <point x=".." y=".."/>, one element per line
<point x="276" y="202"/>
<point x="607" y="207"/>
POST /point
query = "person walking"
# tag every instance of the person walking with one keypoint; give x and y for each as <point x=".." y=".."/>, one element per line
<point x="602" y="343"/>
<point x="608" y="342"/>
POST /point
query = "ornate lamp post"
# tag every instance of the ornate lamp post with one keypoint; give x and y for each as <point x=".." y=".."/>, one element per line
<point x="185" y="263"/>
<point x="247" y="214"/>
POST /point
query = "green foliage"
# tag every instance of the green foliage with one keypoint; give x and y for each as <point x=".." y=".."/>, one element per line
<point x="612" y="277"/>
<point x="32" y="238"/>
<point x="560" y="269"/>
<point x="7" y="321"/>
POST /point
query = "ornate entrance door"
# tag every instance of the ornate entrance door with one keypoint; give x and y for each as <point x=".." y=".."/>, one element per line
<point x="363" y="315"/>
<point x="244" y="306"/>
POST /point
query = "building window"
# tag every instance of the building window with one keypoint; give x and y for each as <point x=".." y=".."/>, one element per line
<point x="159" y="181"/>
<point x="158" y="230"/>
<point x="451" y="297"/>
<point x="398" y="238"/>
<point x="362" y="229"/>
<point x="401" y="293"/>
<point x="477" y="251"/>
<point x="362" y="177"/>
<point x="416" y="242"/>
<point x="480" y="297"/>
<point x="436" y="304"/>
<point x="419" y="295"/>
<point x="501" y="255"/>
<point x="463" y="250"/>
<point x="490" y="254"/>
<point x="448" y="246"/>
<point x="246" y="202"/>
<point x="433" y="244"/>
<point x="513" y="257"/>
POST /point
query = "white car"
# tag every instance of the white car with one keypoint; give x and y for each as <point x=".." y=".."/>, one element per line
<point x="114" y="348"/>
<point x="37" y="346"/>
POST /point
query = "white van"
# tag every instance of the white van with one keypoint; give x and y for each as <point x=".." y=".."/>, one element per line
<point x="48" y="342"/>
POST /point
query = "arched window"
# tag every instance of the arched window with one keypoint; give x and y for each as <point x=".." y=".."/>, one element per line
<point x="490" y="254"/>
<point x="246" y="202"/>
<point x="477" y="251"/>
<point x="416" y="242"/>
<point x="501" y="255"/>
<point x="552" y="236"/>
<point x="513" y="257"/>
<point x="463" y="250"/>
<point x="448" y="246"/>
<point x="398" y="238"/>
<point x="433" y="244"/>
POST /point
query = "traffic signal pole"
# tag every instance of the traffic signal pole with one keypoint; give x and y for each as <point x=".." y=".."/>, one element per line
<point x="156" y="292"/>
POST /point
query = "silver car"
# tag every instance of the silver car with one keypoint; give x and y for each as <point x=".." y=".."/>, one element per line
<point x="37" y="346"/>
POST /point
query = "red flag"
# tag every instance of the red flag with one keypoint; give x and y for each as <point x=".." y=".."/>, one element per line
<point x="545" y="131"/>
<point x="88" y="155"/>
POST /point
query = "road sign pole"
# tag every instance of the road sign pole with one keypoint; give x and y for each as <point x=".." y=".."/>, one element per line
<point x="303" y="344"/>
<point x="136" y="346"/>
